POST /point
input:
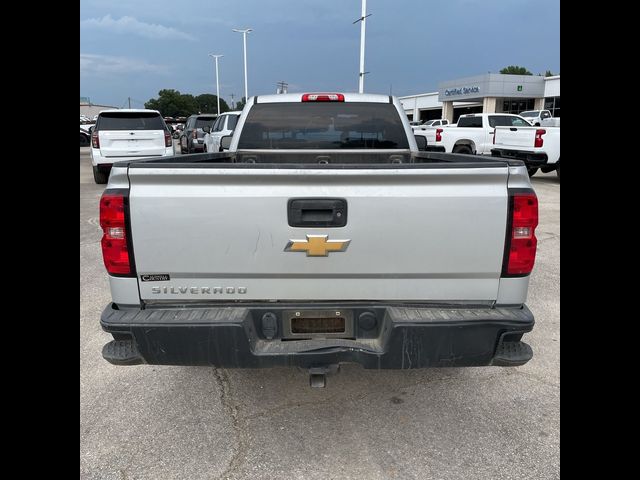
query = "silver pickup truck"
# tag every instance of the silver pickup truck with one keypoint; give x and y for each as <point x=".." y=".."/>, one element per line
<point x="323" y="236"/>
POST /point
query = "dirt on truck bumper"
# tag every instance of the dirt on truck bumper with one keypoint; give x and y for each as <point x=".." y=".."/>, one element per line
<point x="262" y="335"/>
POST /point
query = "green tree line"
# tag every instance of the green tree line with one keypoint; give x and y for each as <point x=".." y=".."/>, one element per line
<point x="517" y="70"/>
<point x="172" y="103"/>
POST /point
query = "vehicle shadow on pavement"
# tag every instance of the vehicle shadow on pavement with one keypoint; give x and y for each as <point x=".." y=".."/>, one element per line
<point x="259" y="392"/>
<point x="554" y="180"/>
<point x="349" y="377"/>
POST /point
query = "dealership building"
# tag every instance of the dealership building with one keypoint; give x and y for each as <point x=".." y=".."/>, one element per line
<point x="488" y="93"/>
<point x="91" y="109"/>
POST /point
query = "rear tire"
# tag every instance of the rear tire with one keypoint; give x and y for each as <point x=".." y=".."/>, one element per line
<point x="462" y="149"/>
<point x="532" y="171"/>
<point x="558" y="172"/>
<point x="84" y="140"/>
<point x="100" y="176"/>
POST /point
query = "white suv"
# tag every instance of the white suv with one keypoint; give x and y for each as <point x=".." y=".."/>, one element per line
<point x="224" y="125"/>
<point x="127" y="134"/>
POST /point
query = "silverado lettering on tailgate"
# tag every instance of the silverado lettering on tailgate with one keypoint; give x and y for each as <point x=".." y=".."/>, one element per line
<point x="197" y="290"/>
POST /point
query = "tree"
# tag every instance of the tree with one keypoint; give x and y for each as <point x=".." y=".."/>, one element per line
<point x="549" y="73"/>
<point x="172" y="103"/>
<point x="208" y="103"/>
<point x="515" y="70"/>
<point x="240" y="104"/>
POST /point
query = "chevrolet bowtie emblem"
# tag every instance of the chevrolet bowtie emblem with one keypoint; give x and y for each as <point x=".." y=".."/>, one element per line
<point x="317" y="246"/>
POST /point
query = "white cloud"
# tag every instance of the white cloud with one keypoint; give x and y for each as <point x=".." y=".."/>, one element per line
<point x="91" y="64"/>
<point x="133" y="26"/>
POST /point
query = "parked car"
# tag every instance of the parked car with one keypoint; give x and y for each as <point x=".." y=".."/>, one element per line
<point x="224" y="125"/>
<point x="177" y="130"/>
<point x="550" y="122"/>
<point x="305" y="244"/>
<point x="127" y="134"/>
<point x="87" y="127"/>
<point x="192" y="137"/>
<point x="473" y="133"/>
<point x="538" y="147"/>
<point x="431" y="123"/>
<point x="85" y="137"/>
<point x="536" y="117"/>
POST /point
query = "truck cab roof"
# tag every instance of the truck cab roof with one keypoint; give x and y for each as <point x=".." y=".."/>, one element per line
<point x="297" y="97"/>
<point x="129" y="110"/>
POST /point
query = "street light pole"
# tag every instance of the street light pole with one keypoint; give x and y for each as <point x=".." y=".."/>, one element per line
<point x="244" y="42"/>
<point x="363" y="27"/>
<point x="216" y="57"/>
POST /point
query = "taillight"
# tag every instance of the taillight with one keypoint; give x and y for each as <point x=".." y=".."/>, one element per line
<point x="539" y="140"/>
<point x="520" y="246"/>
<point x="168" y="142"/>
<point x="115" y="251"/>
<point x="323" y="97"/>
<point x="494" y="136"/>
<point x="438" y="135"/>
<point x="95" y="141"/>
<point x="194" y="133"/>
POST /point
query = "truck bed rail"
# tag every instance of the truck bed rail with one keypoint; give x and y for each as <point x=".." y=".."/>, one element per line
<point x="321" y="159"/>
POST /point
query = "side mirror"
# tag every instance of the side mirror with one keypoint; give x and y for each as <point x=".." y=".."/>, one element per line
<point x="225" y="142"/>
<point x="421" y="140"/>
<point x="206" y="129"/>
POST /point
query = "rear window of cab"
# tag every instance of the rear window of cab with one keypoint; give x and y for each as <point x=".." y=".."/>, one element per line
<point x="130" y="121"/>
<point x="323" y="125"/>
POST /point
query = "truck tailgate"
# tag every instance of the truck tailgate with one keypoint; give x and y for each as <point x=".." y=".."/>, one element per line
<point x="523" y="137"/>
<point x="421" y="233"/>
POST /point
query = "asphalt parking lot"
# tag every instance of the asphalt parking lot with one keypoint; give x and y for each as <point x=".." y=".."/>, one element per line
<point x="151" y="422"/>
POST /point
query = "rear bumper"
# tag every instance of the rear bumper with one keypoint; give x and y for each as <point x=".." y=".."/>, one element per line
<point x="98" y="159"/>
<point x="531" y="159"/>
<point x="197" y="144"/>
<point x="401" y="337"/>
<point x="435" y="149"/>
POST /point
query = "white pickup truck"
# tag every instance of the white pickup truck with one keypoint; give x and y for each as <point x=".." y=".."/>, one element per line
<point x="538" y="147"/>
<point x="438" y="122"/>
<point x="537" y="117"/>
<point x="473" y="134"/>
<point x="323" y="236"/>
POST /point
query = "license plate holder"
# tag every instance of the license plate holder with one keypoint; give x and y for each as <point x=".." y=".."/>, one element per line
<point x="327" y="323"/>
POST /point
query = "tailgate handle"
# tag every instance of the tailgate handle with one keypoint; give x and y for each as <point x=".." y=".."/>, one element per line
<point x="513" y="129"/>
<point x="317" y="212"/>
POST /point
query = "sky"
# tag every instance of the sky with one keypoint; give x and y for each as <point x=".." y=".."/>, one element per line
<point x="136" y="48"/>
